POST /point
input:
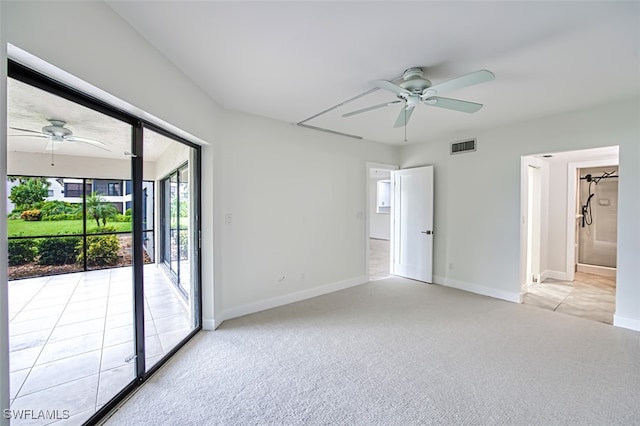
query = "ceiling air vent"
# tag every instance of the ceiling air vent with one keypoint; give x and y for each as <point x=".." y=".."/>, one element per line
<point x="464" y="146"/>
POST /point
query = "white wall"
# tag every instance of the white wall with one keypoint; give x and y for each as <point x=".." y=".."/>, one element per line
<point x="173" y="157"/>
<point x="379" y="223"/>
<point x="556" y="249"/>
<point x="297" y="202"/>
<point x="477" y="199"/>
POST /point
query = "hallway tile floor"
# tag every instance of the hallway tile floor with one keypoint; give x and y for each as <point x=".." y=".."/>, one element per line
<point x="378" y="259"/>
<point x="588" y="296"/>
<point x="71" y="337"/>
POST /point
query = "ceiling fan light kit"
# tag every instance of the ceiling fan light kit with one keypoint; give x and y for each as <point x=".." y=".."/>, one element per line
<point x="415" y="89"/>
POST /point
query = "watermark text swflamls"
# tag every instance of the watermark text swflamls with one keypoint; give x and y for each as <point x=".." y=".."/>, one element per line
<point x="35" y="414"/>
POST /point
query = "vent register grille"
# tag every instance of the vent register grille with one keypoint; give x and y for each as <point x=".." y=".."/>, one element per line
<point x="463" y="146"/>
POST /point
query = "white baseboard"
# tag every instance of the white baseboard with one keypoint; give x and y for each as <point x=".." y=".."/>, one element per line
<point x="626" y="322"/>
<point x="285" y="299"/>
<point x="479" y="289"/>
<point x="556" y="275"/>
<point x="209" y="324"/>
<point x="597" y="270"/>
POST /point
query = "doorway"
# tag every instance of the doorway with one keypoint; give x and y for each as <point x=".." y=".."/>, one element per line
<point x="378" y="235"/>
<point x="563" y="221"/>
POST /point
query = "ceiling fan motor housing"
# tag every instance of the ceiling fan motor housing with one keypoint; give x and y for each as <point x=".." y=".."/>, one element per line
<point x="414" y="81"/>
<point x="57" y="130"/>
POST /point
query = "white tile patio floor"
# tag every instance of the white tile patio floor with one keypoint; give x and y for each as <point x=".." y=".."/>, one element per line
<point x="70" y="335"/>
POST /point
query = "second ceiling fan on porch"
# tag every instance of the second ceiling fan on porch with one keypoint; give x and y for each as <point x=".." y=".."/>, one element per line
<point x="58" y="135"/>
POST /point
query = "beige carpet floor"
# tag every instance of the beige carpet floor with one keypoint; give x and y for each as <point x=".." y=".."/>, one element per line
<point x="398" y="352"/>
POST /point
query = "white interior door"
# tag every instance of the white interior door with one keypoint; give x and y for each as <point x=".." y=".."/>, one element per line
<point x="413" y="223"/>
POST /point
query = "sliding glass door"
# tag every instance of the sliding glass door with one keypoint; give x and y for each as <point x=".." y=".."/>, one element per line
<point x="175" y="227"/>
<point x="116" y="217"/>
<point x="171" y="291"/>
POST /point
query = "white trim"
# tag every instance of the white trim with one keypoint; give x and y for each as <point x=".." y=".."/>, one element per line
<point x="572" y="194"/>
<point x="209" y="324"/>
<point x="597" y="270"/>
<point x="274" y="302"/>
<point x="525" y="162"/>
<point x="367" y="228"/>
<point x="626" y="322"/>
<point x="556" y="275"/>
<point x="509" y="296"/>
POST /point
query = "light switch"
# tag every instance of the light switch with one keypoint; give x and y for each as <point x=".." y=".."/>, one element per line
<point x="227" y="218"/>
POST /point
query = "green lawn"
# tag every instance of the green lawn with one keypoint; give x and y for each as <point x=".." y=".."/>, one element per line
<point x="17" y="228"/>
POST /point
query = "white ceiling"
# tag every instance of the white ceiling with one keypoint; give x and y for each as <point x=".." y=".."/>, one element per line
<point x="292" y="60"/>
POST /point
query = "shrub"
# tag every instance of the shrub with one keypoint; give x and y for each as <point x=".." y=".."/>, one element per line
<point x="51" y="210"/>
<point x="184" y="244"/>
<point x="15" y="214"/>
<point x="121" y="218"/>
<point x="128" y="212"/>
<point x="105" y="229"/>
<point x="102" y="250"/>
<point x="21" y="251"/>
<point x="31" y="215"/>
<point x="59" y="251"/>
<point x="62" y="216"/>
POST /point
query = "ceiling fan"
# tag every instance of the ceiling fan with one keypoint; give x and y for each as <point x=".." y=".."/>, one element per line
<point x="58" y="134"/>
<point x="415" y="89"/>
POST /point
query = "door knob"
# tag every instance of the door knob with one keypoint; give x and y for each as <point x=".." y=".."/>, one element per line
<point x="428" y="232"/>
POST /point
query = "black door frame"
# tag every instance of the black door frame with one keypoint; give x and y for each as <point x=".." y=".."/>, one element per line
<point x="29" y="76"/>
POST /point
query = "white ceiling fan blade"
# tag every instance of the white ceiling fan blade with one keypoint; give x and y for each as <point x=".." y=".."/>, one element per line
<point x="29" y="136"/>
<point x="27" y="130"/>
<point x="387" y="85"/>
<point x="454" y="104"/>
<point x="458" y="83"/>
<point x="404" y="116"/>
<point x="84" y="140"/>
<point x="349" y="114"/>
<point x="88" y="142"/>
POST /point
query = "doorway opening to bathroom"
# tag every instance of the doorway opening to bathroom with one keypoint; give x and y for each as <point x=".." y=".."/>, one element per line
<point x="569" y="232"/>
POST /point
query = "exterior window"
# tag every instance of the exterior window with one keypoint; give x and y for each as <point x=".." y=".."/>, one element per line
<point x="74" y="189"/>
<point x="114" y="189"/>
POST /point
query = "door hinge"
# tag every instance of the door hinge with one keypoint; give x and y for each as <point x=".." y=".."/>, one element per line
<point x="199" y="239"/>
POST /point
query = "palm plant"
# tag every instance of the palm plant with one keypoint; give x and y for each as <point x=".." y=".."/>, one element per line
<point x="100" y="209"/>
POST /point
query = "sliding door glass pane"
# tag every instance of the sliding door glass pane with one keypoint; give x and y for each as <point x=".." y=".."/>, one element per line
<point x="71" y="335"/>
<point x="184" y="240"/>
<point x="170" y="302"/>
<point x="174" y="205"/>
